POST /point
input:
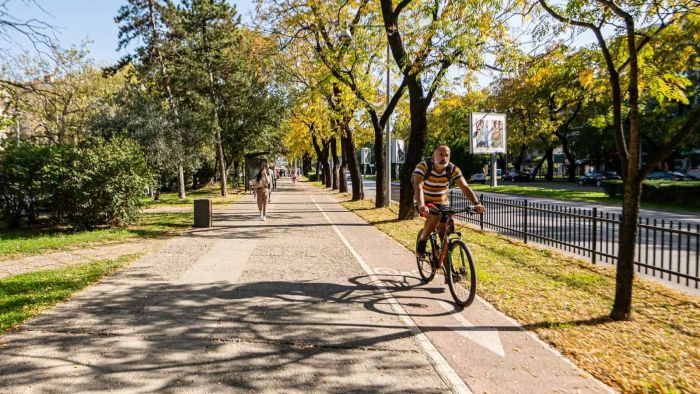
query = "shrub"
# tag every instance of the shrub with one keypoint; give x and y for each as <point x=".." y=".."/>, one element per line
<point x="613" y="188"/>
<point x="95" y="183"/>
<point x="683" y="193"/>
<point x="30" y="175"/>
<point x="105" y="184"/>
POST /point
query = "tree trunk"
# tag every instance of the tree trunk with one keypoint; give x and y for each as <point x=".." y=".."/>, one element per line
<point x="343" y="173"/>
<point x="624" y="277"/>
<point x="379" y="200"/>
<point x="318" y="172"/>
<point x="180" y="181"/>
<point x="550" y="165"/>
<point x="571" y="168"/>
<point x="343" y="185"/>
<point x="327" y="173"/>
<point x="306" y="164"/>
<point x="416" y="147"/>
<point x="355" y="175"/>
<point x="538" y="166"/>
<point x="336" y="164"/>
<point x="518" y="163"/>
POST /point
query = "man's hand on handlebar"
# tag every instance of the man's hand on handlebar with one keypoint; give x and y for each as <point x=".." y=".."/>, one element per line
<point x="479" y="208"/>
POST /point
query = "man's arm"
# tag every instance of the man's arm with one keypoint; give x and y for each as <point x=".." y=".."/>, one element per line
<point x="464" y="187"/>
<point x="418" y="197"/>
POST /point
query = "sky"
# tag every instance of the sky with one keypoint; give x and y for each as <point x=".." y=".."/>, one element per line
<point x="79" y="20"/>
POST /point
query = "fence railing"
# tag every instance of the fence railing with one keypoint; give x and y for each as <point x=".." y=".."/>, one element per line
<point x="664" y="248"/>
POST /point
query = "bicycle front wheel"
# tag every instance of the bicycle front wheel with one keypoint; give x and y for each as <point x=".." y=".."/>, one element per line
<point x="426" y="268"/>
<point x="461" y="273"/>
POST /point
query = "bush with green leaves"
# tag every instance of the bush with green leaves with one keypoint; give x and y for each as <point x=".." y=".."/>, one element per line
<point x="680" y="193"/>
<point x="106" y="182"/>
<point x="97" y="182"/>
<point x="30" y="175"/>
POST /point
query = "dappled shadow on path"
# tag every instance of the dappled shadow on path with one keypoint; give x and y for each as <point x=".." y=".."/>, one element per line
<point x="277" y="335"/>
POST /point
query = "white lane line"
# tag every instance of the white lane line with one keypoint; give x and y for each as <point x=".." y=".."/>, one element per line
<point x="442" y="367"/>
<point x="489" y="340"/>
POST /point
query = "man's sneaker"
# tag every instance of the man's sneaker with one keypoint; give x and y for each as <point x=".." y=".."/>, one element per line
<point x="420" y="248"/>
<point x="264" y="218"/>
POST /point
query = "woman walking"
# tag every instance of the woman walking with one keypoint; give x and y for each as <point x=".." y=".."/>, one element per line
<point x="261" y="185"/>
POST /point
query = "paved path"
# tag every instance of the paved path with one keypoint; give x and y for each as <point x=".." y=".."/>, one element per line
<point x="312" y="300"/>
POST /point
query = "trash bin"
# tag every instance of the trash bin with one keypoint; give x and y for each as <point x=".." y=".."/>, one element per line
<point x="202" y="213"/>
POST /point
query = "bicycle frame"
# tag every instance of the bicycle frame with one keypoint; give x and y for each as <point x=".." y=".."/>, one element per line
<point x="444" y="246"/>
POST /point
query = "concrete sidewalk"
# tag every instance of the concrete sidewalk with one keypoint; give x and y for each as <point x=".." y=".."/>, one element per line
<point x="312" y="300"/>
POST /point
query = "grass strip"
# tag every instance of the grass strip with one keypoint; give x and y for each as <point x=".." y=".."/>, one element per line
<point x="566" y="301"/>
<point x="212" y="192"/>
<point x="149" y="225"/>
<point x="25" y="296"/>
<point x="575" y="195"/>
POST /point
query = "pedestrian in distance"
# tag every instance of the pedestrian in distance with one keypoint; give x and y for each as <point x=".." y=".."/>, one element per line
<point x="261" y="186"/>
<point x="271" y="185"/>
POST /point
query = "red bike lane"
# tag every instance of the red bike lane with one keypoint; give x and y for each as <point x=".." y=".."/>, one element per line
<point x="486" y="350"/>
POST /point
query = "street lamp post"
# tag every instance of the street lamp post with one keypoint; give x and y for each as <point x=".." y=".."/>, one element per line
<point x="388" y="133"/>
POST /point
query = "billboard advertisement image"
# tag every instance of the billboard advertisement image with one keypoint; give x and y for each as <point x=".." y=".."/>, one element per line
<point x="487" y="133"/>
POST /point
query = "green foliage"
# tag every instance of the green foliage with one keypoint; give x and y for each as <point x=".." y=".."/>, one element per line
<point x="94" y="183"/>
<point x="106" y="182"/>
<point x="681" y="193"/>
<point x="30" y="175"/>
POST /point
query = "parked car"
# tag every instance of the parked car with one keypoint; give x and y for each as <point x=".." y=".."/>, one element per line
<point x="669" y="175"/>
<point x="611" y="175"/>
<point x="478" y="178"/>
<point x="510" y="176"/>
<point x="524" y="176"/>
<point x="597" y="177"/>
<point x="683" y="176"/>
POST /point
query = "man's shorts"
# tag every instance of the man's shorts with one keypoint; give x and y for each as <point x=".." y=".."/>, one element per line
<point x="439" y="207"/>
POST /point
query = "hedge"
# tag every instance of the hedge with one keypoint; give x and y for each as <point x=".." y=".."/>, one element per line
<point x="684" y="193"/>
<point x="94" y="183"/>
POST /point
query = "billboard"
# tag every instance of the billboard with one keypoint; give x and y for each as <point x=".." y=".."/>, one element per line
<point x="487" y="133"/>
<point x="365" y="156"/>
<point x="398" y="152"/>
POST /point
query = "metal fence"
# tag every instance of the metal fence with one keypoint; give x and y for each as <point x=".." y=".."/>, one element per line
<point x="668" y="249"/>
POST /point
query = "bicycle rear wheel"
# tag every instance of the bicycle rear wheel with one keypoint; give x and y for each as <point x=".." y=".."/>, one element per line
<point x="426" y="268"/>
<point x="461" y="273"/>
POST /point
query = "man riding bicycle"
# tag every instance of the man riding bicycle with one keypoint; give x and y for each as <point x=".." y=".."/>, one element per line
<point x="431" y="181"/>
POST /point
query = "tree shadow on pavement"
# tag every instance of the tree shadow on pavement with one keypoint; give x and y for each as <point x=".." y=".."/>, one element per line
<point x="134" y="333"/>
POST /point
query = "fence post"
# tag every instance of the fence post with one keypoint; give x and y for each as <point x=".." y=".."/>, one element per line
<point x="594" y="234"/>
<point x="525" y="221"/>
<point x="481" y="215"/>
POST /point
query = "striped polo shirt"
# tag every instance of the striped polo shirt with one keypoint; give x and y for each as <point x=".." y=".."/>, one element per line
<point x="436" y="184"/>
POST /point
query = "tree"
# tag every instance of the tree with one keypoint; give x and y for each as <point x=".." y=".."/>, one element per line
<point x="142" y="20"/>
<point x="344" y="41"/>
<point x="426" y="39"/>
<point x="56" y="100"/>
<point x="627" y="56"/>
<point x="546" y="100"/>
<point x="206" y="33"/>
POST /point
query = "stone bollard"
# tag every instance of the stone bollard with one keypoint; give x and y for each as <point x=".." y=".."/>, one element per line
<point x="202" y="213"/>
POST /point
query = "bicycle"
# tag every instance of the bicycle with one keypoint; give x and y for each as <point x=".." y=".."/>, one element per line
<point x="457" y="265"/>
